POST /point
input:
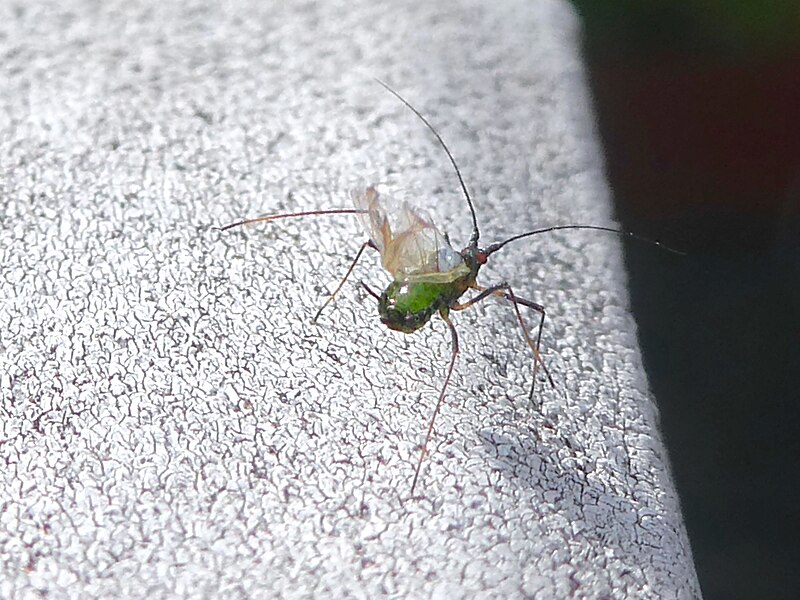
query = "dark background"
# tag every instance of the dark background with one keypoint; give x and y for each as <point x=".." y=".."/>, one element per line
<point x="699" y="111"/>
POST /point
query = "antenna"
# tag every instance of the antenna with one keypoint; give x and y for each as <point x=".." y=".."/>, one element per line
<point x="475" y="231"/>
<point x="336" y="211"/>
<point x="497" y="246"/>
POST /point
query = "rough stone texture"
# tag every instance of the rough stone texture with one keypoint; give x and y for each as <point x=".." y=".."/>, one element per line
<point x="173" y="425"/>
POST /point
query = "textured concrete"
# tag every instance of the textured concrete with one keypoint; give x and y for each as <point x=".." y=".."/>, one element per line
<point x="173" y="424"/>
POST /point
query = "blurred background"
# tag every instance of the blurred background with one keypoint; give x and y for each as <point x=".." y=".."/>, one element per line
<point x="699" y="111"/>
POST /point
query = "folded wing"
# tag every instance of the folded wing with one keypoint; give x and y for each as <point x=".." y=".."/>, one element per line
<point x="412" y="248"/>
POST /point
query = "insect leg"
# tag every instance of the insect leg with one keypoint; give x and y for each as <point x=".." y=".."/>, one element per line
<point x="341" y="283"/>
<point x="371" y="292"/>
<point x="503" y="290"/>
<point x="424" y="450"/>
<point x="535" y="306"/>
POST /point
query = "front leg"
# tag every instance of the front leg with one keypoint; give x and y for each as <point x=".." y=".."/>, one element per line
<point x="504" y="290"/>
<point x="346" y="275"/>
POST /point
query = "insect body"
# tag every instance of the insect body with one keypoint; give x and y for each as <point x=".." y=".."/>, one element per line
<point x="429" y="276"/>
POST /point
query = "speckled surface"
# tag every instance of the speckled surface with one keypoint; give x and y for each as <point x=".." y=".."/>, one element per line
<point x="174" y="425"/>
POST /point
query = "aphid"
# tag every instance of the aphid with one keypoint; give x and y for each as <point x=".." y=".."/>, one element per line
<point x="429" y="276"/>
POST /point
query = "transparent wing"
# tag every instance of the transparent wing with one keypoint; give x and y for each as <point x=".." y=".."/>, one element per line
<point x="411" y="246"/>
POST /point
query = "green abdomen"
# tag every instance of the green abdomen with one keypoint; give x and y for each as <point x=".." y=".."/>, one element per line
<point x="407" y="306"/>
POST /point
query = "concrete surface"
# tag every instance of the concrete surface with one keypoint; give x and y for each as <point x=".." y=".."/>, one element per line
<point x="173" y="425"/>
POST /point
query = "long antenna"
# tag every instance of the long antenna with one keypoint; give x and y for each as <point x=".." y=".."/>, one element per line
<point x="495" y="247"/>
<point x="336" y="211"/>
<point x="476" y="234"/>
